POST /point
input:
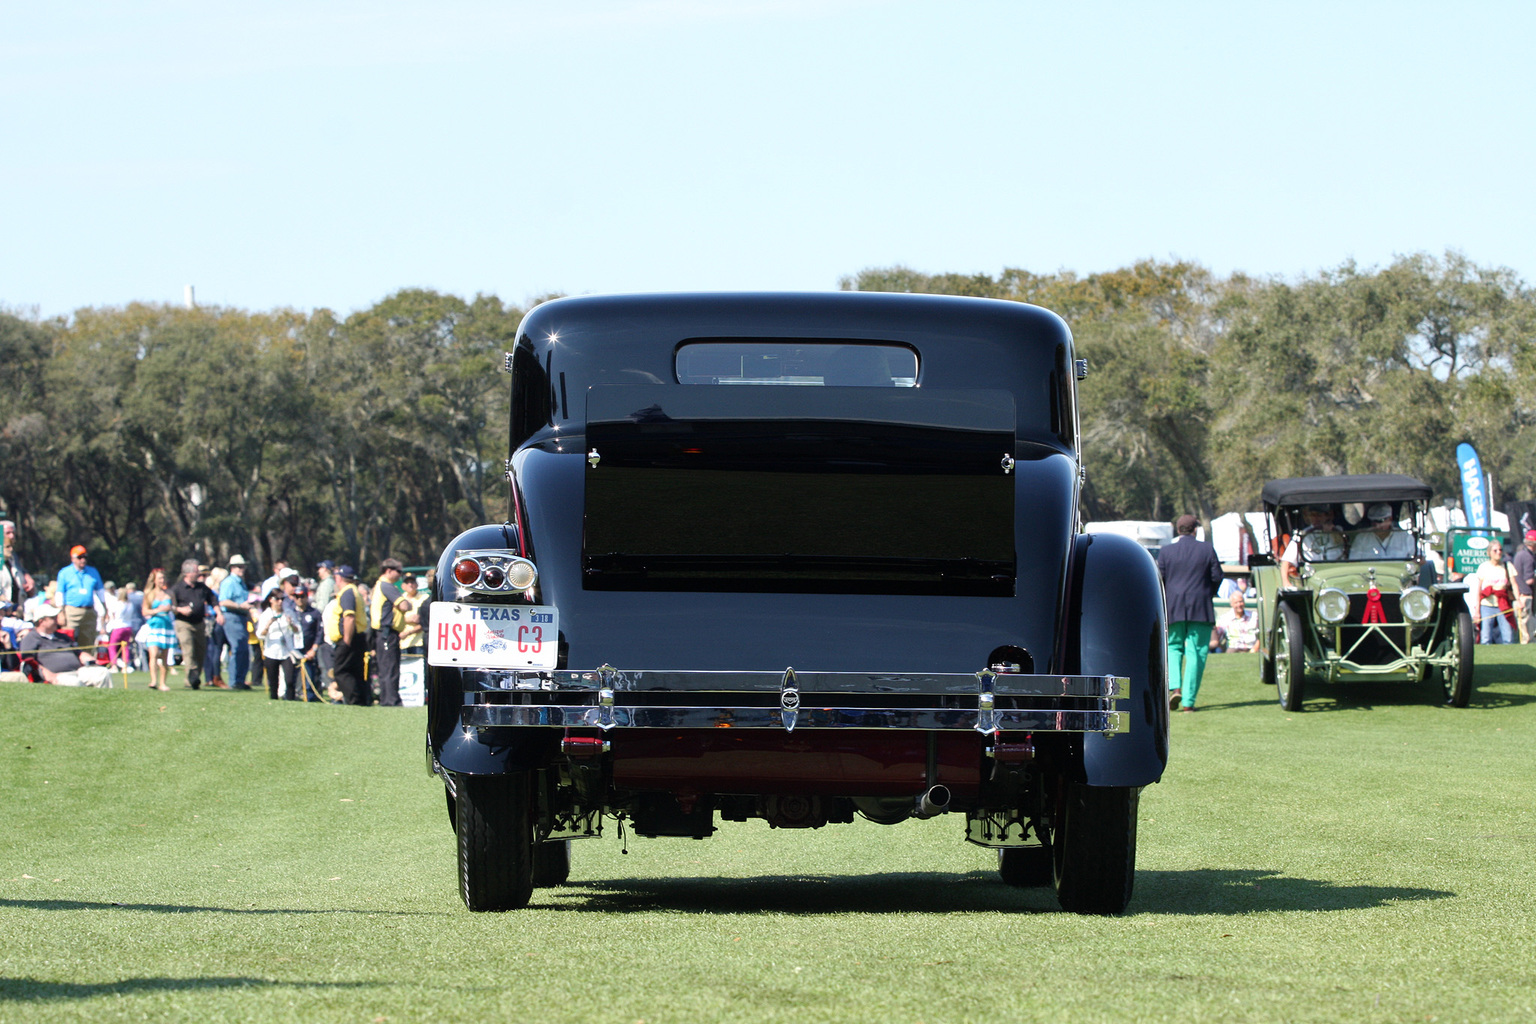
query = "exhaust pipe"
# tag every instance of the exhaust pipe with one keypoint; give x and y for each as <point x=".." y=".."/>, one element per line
<point x="935" y="801"/>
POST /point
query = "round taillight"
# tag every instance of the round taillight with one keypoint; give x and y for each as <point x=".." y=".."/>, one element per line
<point x="466" y="572"/>
<point x="521" y="574"/>
<point x="494" y="577"/>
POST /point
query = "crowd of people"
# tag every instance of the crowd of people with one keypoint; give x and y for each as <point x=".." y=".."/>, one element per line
<point x="327" y="638"/>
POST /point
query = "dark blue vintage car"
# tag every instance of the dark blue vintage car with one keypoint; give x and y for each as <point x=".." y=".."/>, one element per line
<point x="797" y="558"/>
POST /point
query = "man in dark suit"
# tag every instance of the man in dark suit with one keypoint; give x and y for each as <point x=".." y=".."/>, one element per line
<point x="1191" y="573"/>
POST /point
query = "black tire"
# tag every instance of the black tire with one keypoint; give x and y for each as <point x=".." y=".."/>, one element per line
<point x="551" y="863"/>
<point x="1456" y="682"/>
<point x="1290" y="659"/>
<point x="1095" y="848"/>
<point x="1028" y="867"/>
<point x="495" y="827"/>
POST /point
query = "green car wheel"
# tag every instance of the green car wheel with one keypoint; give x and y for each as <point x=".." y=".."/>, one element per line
<point x="1290" y="661"/>
<point x="1456" y="680"/>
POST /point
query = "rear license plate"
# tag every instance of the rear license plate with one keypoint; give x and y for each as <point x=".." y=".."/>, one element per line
<point x="493" y="636"/>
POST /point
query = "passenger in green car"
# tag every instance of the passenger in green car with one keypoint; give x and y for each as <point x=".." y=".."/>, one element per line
<point x="1384" y="541"/>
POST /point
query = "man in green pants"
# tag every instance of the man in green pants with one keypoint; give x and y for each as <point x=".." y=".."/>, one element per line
<point x="1191" y="573"/>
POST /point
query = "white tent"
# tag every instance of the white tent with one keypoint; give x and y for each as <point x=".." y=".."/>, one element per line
<point x="1227" y="534"/>
<point x="1152" y="536"/>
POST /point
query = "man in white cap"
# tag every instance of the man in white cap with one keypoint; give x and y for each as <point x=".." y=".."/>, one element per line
<point x="57" y="660"/>
<point x="1383" y="542"/>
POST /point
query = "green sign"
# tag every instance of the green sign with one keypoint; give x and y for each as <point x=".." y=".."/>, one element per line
<point x="1466" y="549"/>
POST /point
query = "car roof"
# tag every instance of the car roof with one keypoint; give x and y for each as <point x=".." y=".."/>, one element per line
<point x="1304" y="490"/>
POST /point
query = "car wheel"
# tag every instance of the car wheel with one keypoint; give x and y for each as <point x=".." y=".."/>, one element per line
<point x="495" y="827"/>
<point x="1456" y="680"/>
<point x="551" y="863"/>
<point x="1290" y="659"/>
<point x="1094" y="848"/>
<point x="1026" y="866"/>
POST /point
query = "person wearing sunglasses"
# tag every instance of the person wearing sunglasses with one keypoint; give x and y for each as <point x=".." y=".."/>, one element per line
<point x="1384" y="541"/>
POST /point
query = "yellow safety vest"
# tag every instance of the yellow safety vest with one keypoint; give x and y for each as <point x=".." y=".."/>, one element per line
<point x="331" y="617"/>
<point x="376" y="609"/>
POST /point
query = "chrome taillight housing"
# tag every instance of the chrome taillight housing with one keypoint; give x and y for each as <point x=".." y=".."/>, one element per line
<point x="493" y="572"/>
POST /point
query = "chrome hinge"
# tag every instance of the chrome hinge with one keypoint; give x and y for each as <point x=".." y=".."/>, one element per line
<point x="1007" y="463"/>
<point x="986" y="703"/>
<point x="789" y="699"/>
<point x="1080" y="367"/>
<point x="506" y="362"/>
<point x="593" y="458"/>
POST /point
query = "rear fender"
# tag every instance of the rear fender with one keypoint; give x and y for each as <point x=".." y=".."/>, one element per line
<point x="472" y="751"/>
<point x="1117" y="627"/>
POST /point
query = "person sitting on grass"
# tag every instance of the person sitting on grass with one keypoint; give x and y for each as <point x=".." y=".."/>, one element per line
<point x="1239" y="626"/>
<point x="58" y="662"/>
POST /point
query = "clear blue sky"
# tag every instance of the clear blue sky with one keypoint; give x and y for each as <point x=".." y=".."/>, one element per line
<point x="326" y="154"/>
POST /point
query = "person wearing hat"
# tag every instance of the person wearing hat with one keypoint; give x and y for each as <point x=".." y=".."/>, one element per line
<point x="1320" y="540"/>
<point x="311" y="637"/>
<point x="1383" y="541"/>
<point x="1523" y="568"/>
<point x="346" y="639"/>
<point x="81" y="594"/>
<point x="235" y="601"/>
<point x="1191" y="573"/>
<point x="57" y="660"/>
<point x="387" y="619"/>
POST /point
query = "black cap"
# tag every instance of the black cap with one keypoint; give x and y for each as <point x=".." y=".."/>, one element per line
<point x="346" y="572"/>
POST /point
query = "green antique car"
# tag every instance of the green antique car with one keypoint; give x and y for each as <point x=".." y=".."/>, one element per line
<point x="1345" y="595"/>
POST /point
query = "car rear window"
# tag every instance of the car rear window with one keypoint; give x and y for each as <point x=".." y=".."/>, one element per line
<point x="797" y="362"/>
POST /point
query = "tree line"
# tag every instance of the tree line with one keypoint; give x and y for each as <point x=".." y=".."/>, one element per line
<point x="1201" y="388"/>
<point x="152" y="433"/>
<point x="155" y="433"/>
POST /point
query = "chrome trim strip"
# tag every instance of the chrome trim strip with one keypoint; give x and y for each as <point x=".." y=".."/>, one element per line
<point x="608" y="716"/>
<point x="807" y="683"/>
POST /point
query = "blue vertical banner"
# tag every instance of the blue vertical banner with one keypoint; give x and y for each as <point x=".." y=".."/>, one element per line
<point x="1474" y="491"/>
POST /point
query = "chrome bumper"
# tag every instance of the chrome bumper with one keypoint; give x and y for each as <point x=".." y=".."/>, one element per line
<point x="984" y="702"/>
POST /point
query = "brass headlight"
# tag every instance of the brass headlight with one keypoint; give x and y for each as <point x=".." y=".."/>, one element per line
<point x="1418" y="604"/>
<point x="1332" y="605"/>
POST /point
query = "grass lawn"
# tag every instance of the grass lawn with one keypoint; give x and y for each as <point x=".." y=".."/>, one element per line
<point x="217" y="856"/>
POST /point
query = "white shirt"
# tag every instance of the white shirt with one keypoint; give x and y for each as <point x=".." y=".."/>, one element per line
<point x="278" y="633"/>
<point x="1320" y="546"/>
<point x="1369" y="546"/>
<point x="1242" y="633"/>
<point x="1495" y="576"/>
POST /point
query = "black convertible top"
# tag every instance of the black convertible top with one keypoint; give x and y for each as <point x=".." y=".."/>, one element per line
<point x="1304" y="490"/>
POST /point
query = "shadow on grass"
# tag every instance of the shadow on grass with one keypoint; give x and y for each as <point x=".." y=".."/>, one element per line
<point x="1206" y="891"/>
<point x="1367" y="696"/>
<point x="30" y="989"/>
<point x="1228" y="705"/>
<point x="180" y="908"/>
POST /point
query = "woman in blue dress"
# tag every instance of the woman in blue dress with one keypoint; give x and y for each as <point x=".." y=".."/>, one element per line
<point x="159" y="630"/>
